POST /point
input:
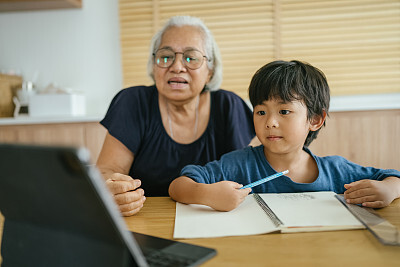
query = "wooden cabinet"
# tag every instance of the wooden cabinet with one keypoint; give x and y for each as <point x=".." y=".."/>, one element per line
<point x="25" y="5"/>
<point x="368" y="138"/>
<point x="87" y="134"/>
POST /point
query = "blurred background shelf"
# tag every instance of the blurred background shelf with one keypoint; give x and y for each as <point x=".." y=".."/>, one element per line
<point x="26" y="5"/>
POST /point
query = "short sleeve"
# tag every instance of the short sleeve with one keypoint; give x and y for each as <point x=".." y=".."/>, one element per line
<point x="127" y="116"/>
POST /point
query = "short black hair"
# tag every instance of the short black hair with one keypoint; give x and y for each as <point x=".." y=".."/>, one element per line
<point x="290" y="81"/>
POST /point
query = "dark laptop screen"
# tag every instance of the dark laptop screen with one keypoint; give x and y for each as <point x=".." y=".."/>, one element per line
<point x="58" y="211"/>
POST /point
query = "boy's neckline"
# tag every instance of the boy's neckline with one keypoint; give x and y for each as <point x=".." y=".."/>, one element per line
<point x="305" y="172"/>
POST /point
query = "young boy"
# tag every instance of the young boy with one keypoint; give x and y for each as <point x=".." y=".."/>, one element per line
<point x="291" y="102"/>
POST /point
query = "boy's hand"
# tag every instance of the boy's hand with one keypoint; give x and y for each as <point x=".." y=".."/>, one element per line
<point x="226" y="195"/>
<point x="372" y="193"/>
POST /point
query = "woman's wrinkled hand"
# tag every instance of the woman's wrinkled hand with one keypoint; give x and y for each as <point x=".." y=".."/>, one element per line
<point x="126" y="192"/>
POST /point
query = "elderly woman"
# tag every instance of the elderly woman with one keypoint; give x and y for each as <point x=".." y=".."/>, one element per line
<point x="154" y="131"/>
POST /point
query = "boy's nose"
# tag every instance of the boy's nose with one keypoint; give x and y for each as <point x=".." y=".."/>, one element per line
<point x="271" y="122"/>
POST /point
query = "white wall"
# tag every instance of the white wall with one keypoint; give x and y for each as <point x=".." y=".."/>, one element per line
<point x="75" y="48"/>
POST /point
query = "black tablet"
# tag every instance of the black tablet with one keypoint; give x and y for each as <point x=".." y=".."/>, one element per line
<point x="58" y="212"/>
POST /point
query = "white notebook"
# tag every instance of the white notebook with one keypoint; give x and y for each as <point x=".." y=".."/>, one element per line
<point x="284" y="212"/>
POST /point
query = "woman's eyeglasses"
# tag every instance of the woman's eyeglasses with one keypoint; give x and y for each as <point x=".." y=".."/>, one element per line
<point x="192" y="59"/>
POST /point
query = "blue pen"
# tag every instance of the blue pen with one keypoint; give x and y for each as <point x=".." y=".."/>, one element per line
<point x="266" y="179"/>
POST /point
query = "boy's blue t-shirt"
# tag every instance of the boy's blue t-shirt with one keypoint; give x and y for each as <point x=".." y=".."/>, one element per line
<point x="249" y="165"/>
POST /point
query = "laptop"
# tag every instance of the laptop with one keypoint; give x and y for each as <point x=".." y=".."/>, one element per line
<point x="59" y="212"/>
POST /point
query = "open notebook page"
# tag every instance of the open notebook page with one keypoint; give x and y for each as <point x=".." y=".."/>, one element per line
<point x="199" y="221"/>
<point x="316" y="211"/>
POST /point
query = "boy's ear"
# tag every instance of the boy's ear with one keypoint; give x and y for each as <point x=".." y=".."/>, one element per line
<point x="317" y="121"/>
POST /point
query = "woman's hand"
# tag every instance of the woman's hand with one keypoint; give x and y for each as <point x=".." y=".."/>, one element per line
<point x="372" y="193"/>
<point x="226" y="195"/>
<point x="127" y="194"/>
<point x="114" y="163"/>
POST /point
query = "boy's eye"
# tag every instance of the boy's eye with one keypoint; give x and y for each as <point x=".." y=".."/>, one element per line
<point x="284" y="112"/>
<point x="261" y="112"/>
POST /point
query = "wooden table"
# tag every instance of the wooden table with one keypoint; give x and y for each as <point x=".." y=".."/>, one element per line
<point x="339" y="248"/>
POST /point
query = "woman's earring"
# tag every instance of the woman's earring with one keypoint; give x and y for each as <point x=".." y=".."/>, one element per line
<point x="205" y="88"/>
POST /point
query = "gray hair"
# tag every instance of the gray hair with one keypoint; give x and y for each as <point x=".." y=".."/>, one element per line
<point x="214" y="63"/>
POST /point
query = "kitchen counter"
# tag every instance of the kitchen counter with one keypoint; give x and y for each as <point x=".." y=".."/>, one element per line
<point x="365" y="102"/>
<point x="74" y="131"/>
<point x="24" y="120"/>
